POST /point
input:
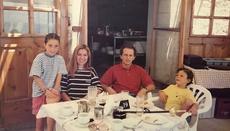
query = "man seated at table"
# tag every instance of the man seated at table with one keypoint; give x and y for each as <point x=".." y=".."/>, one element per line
<point x="127" y="76"/>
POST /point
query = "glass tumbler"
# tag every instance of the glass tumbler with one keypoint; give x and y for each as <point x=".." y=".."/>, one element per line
<point x="140" y="105"/>
<point x="92" y="94"/>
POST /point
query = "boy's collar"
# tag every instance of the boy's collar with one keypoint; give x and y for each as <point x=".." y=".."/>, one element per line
<point x="49" y="55"/>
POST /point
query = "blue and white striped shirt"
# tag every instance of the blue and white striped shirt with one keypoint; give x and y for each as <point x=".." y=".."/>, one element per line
<point x="46" y="67"/>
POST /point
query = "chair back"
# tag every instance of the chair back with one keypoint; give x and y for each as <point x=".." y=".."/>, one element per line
<point x="203" y="97"/>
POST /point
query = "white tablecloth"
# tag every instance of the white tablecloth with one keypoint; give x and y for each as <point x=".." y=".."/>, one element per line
<point x="173" y="123"/>
<point x="211" y="78"/>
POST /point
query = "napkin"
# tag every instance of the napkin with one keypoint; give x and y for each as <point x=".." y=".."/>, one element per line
<point x="109" y="105"/>
<point x="113" y="101"/>
<point x="42" y="113"/>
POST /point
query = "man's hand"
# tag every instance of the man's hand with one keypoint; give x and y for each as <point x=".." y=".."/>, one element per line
<point x="142" y="92"/>
<point x="109" y="89"/>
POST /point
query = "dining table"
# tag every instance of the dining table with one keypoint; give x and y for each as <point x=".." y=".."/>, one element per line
<point x="66" y="116"/>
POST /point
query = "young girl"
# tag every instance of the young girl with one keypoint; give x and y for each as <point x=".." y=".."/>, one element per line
<point x="74" y="85"/>
<point x="46" y="71"/>
<point x="178" y="96"/>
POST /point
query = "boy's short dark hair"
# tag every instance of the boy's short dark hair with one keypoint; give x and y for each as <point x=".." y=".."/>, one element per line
<point x="128" y="45"/>
<point x="52" y="36"/>
<point x="188" y="72"/>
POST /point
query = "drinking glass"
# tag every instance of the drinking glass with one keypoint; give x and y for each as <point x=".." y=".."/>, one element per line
<point x="98" y="113"/>
<point x="140" y="105"/>
<point x="92" y="94"/>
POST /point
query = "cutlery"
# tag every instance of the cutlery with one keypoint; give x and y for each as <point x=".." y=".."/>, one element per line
<point x="144" y="111"/>
<point x="148" y="111"/>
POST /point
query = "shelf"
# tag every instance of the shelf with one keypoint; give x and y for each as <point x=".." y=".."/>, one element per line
<point x="130" y="37"/>
<point x="137" y="55"/>
<point x="106" y="50"/>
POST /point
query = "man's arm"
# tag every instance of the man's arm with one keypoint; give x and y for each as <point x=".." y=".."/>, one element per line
<point x="109" y="89"/>
<point x="144" y="91"/>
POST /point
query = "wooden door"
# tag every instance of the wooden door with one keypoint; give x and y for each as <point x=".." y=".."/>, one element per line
<point x="17" y="55"/>
<point x="17" y="51"/>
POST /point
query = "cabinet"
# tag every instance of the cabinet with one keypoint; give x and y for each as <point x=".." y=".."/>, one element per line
<point x="106" y="50"/>
<point x="222" y="108"/>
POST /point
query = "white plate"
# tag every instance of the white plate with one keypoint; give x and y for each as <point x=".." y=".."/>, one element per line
<point x="76" y="123"/>
<point x="156" y="120"/>
<point x="131" y="122"/>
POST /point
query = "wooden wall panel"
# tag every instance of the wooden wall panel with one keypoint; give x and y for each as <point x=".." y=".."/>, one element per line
<point x="209" y="47"/>
<point x="17" y="112"/>
<point x="17" y="76"/>
<point x="196" y="49"/>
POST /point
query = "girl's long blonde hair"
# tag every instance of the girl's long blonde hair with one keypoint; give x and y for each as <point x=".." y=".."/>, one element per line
<point x="73" y="65"/>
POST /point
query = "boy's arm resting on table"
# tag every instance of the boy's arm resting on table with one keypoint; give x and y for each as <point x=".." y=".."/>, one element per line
<point x="109" y="89"/>
<point x="144" y="91"/>
<point x="40" y="83"/>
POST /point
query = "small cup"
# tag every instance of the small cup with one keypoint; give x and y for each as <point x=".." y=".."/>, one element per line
<point x="99" y="113"/>
<point x="117" y="125"/>
<point x="83" y="106"/>
<point x="83" y="118"/>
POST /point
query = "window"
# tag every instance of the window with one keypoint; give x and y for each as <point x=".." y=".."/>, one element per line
<point x="16" y="21"/>
<point x="24" y="18"/>
<point x="211" y="18"/>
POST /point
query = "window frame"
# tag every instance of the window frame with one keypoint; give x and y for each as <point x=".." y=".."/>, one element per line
<point x="211" y="18"/>
<point x="31" y="10"/>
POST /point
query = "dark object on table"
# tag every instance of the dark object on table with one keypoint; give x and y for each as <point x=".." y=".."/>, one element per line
<point x="145" y="111"/>
<point x="119" y="114"/>
<point x="102" y="104"/>
<point x="124" y="104"/>
<point x="195" y="61"/>
<point x="91" y="120"/>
